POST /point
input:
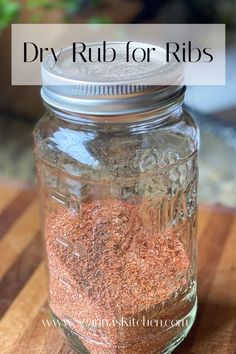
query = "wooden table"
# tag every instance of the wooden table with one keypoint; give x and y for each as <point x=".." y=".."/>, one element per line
<point x="23" y="295"/>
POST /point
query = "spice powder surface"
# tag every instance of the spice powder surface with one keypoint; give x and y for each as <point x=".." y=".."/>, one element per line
<point x="105" y="264"/>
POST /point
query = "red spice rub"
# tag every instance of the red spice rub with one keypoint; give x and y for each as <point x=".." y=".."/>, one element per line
<point x="104" y="265"/>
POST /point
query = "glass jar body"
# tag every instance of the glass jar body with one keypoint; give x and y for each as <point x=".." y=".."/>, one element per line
<point x="119" y="216"/>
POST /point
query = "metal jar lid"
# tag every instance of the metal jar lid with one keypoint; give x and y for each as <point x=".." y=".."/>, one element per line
<point x="110" y="88"/>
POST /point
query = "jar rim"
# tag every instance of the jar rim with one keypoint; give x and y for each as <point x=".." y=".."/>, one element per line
<point x="148" y="100"/>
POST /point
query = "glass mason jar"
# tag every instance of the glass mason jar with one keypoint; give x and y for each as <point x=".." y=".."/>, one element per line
<point x="117" y="170"/>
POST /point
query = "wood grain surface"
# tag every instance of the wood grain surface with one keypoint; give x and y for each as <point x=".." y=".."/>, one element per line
<point x="25" y="326"/>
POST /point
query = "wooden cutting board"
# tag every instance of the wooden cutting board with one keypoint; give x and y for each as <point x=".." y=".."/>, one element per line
<point x="24" y="325"/>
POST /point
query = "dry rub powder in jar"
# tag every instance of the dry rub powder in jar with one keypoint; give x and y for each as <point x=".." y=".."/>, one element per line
<point x="117" y="170"/>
